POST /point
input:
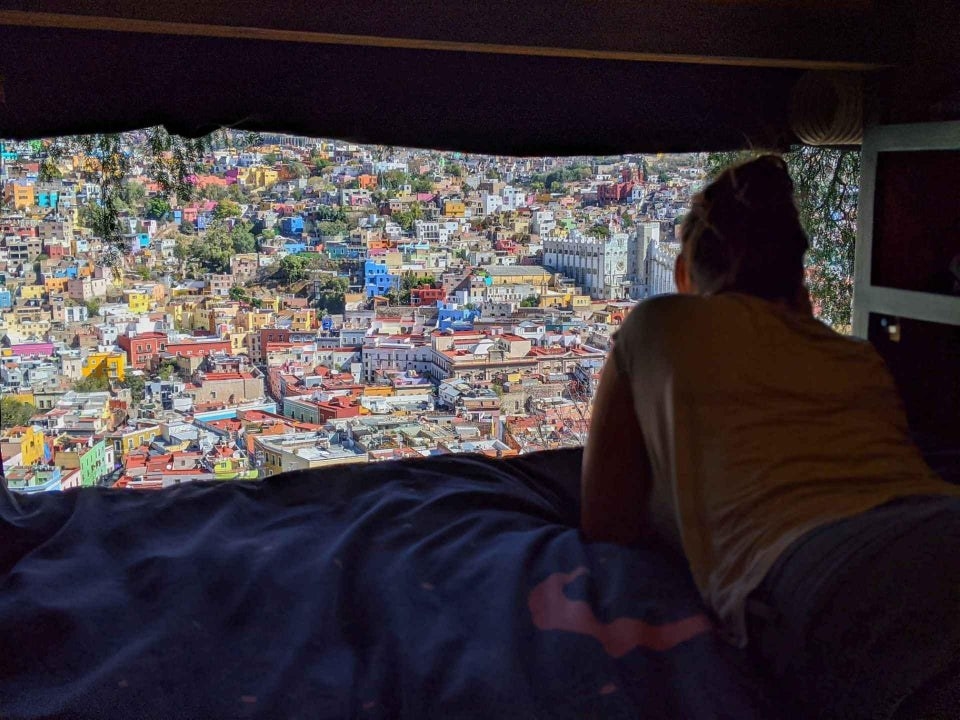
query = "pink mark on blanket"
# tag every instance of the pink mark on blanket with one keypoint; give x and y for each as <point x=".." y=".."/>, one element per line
<point x="553" y="610"/>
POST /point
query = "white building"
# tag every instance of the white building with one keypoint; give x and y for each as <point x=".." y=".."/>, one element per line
<point x="542" y="222"/>
<point x="431" y="231"/>
<point x="644" y="234"/>
<point x="660" y="261"/>
<point x="396" y="354"/>
<point x="598" y="265"/>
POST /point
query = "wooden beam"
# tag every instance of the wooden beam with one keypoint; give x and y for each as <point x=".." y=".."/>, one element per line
<point x="101" y="23"/>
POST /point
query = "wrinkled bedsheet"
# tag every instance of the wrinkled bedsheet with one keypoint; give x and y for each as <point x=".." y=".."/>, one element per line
<point x="452" y="587"/>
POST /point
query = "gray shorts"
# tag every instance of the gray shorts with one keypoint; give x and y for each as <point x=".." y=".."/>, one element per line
<point x="860" y="618"/>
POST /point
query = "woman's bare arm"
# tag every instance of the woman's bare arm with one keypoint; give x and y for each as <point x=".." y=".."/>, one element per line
<point x="616" y="481"/>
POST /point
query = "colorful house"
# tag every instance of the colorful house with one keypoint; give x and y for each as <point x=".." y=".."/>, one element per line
<point x="107" y="365"/>
<point x="139" y="302"/>
<point x="28" y="442"/>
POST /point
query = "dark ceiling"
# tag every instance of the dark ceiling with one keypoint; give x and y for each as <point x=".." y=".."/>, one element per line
<point x="502" y="77"/>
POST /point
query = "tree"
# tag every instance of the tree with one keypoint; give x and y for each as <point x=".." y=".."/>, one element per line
<point x="226" y="209"/>
<point x="329" y="212"/>
<point x="331" y="228"/>
<point x="14" y="413"/>
<point x="93" y="307"/>
<point x="157" y="208"/>
<point x="530" y="301"/>
<point x="169" y="160"/>
<point x="421" y="184"/>
<point x="92" y="383"/>
<point x="827" y="182"/>
<point x="599" y="231"/>
<point x="239" y="294"/>
<point x="144" y="272"/>
<point x="243" y="240"/>
<point x="186" y="227"/>
<point x="662" y="177"/>
<point x="331" y="292"/>
<point x="292" y="268"/>
<point x="137" y="386"/>
<point x="133" y="193"/>
<point x="214" y="249"/>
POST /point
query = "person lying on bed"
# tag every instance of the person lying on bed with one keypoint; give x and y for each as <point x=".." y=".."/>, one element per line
<point x="774" y="454"/>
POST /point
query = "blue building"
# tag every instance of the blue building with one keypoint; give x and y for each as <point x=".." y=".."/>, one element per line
<point x="292" y="225"/>
<point x="449" y="318"/>
<point x="295" y="246"/>
<point x="378" y="280"/>
<point x="6" y="298"/>
<point x="47" y="198"/>
<point x="338" y="250"/>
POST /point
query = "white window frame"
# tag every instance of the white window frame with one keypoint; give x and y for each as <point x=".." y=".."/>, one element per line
<point x="873" y="299"/>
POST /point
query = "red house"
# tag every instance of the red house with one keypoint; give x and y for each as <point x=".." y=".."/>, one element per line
<point x="198" y="347"/>
<point x="427" y="295"/>
<point x="143" y="349"/>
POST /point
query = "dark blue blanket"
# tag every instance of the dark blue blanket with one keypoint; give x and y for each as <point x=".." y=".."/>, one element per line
<point x="450" y="587"/>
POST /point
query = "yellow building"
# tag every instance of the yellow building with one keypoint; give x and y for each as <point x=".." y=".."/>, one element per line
<point x="259" y="177"/>
<point x="139" y="302"/>
<point x="21" y="196"/>
<point x="238" y="342"/>
<point x="454" y="208"/>
<point x="126" y="441"/>
<point x="254" y="319"/>
<point x="108" y="365"/>
<point x="55" y="284"/>
<point x="32" y="292"/>
<point x="303" y="320"/>
<point x="30" y="443"/>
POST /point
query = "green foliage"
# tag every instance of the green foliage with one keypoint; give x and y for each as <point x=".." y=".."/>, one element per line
<point x="14" y="413"/>
<point x="827" y="182"/>
<point x="157" y="208"/>
<point x="226" y="209"/>
<point x="144" y="272"/>
<point x="662" y="177"/>
<point x="598" y="231"/>
<point x="209" y="252"/>
<point x="530" y="301"/>
<point x="93" y="307"/>
<point x="331" y="228"/>
<point x="239" y="294"/>
<point x="216" y="193"/>
<point x="169" y="160"/>
<point x="331" y="213"/>
<point x="406" y="218"/>
<point x="165" y="372"/>
<point x="292" y="268"/>
<point x="186" y="227"/>
<point x="242" y="239"/>
<point x="555" y="179"/>
<point x="137" y="386"/>
<point x="330" y="294"/>
<point x="133" y="193"/>
<point x="421" y="184"/>
<point x="455" y="170"/>
<point x="91" y="383"/>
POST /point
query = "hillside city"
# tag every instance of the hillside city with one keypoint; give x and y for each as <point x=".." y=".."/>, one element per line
<point x="315" y="303"/>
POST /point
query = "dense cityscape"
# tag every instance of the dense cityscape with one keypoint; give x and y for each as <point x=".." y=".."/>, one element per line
<point x="314" y="303"/>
